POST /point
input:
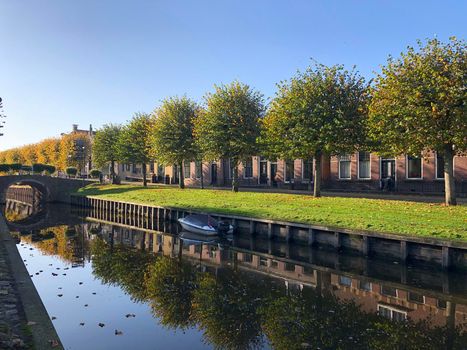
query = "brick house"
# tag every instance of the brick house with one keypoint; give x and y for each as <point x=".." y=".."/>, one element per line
<point x="360" y="171"/>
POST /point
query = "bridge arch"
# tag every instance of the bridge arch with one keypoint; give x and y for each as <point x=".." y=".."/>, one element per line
<point x="54" y="189"/>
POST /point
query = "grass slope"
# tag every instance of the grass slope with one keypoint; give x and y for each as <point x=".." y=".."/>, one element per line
<point x="390" y="216"/>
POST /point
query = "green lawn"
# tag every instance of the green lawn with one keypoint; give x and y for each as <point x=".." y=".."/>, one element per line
<point x="399" y="217"/>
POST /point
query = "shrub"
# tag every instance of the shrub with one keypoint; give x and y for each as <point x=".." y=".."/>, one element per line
<point x="4" y="168"/>
<point x="95" y="173"/>
<point x="38" y="168"/>
<point x="71" y="171"/>
<point x="26" y="168"/>
<point x="49" y="169"/>
<point x="15" y="167"/>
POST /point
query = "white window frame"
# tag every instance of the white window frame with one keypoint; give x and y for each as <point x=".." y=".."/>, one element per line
<point x="350" y="167"/>
<point x="358" y="167"/>
<point x="303" y="171"/>
<point x="244" y="169"/>
<point x="436" y="168"/>
<point x="392" y="309"/>
<point x="407" y="169"/>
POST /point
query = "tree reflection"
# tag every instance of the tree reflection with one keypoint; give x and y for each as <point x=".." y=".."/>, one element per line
<point x="122" y="266"/>
<point x="170" y="284"/>
<point x="226" y="309"/>
<point x="308" y="319"/>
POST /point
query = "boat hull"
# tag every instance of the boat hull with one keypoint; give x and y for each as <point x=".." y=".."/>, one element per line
<point x="196" y="229"/>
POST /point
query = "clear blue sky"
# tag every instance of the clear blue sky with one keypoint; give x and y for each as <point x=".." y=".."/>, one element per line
<point x="88" y="61"/>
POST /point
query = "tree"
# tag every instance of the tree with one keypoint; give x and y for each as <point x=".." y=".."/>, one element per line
<point x="134" y="144"/>
<point x="419" y="104"/>
<point x="75" y="150"/>
<point x="229" y="126"/>
<point x="172" y="136"/>
<point x="105" y="147"/>
<point x="321" y="111"/>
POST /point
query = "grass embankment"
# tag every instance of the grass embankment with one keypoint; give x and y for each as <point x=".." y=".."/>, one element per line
<point x="390" y="216"/>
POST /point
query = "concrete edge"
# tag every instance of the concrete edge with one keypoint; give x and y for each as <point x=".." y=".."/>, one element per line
<point x="43" y="329"/>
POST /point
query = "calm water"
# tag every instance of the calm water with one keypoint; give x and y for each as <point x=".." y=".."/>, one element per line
<point x="118" y="287"/>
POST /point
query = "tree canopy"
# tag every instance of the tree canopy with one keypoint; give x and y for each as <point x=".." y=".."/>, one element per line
<point x="419" y="104"/>
<point x="134" y="143"/>
<point x="172" y="133"/>
<point x="319" y="111"/>
<point x="106" y="147"/>
<point x="229" y="127"/>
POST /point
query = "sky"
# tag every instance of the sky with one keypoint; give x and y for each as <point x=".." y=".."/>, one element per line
<point x="84" y="62"/>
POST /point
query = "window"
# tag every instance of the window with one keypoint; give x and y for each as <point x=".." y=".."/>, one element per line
<point x="128" y="167"/>
<point x="151" y="167"/>
<point x="365" y="285"/>
<point x="389" y="291"/>
<point x="248" y="171"/>
<point x="160" y="170"/>
<point x="344" y="166"/>
<point x="441" y="303"/>
<point x="364" y="165"/>
<point x="414" y="167"/>
<point x="307" y="270"/>
<point x="345" y="281"/>
<point x="263" y="261"/>
<point x="416" y="298"/>
<point x="186" y="169"/>
<point x="289" y="267"/>
<point x="198" y="167"/>
<point x="247" y="257"/>
<point x="274" y="264"/>
<point x="307" y="169"/>
<point x="439" y="166"/>
<point x="391" y="313"/>
<point x="289" y="171"/>
<point x="134" y="168"/>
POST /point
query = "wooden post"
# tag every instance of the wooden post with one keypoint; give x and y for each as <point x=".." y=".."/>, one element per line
<point x="252" y="227"/>
<point x="270" y="231"/>
<point x="338" y="240"/>
<point x="404" y="251"/>
<point x="445" y="258"/>
<point x="365" y="246"/>
<point x="288" y="233"/>
<point x="311" y="237"/>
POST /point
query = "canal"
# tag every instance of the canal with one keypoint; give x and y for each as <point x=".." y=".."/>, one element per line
<point x="114" y="286"/>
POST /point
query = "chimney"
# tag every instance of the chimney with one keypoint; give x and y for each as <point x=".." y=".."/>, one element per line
<point x="75" y="127"/>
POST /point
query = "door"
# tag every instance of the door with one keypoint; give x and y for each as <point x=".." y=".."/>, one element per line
<point x="263" y="172"/>
<point x="273" y="168"/>
<point x="175" y="174"/>
<point x="226" y="171"/>
<point x="388" y="168"/>
<point x="214" y="174"/>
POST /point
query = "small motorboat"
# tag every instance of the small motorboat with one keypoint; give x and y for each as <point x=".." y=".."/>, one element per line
<point x="206" y="225"/>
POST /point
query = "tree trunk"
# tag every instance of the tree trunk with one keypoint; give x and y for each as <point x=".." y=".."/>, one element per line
<point x="235" y="176"/>
<point x="112" y="171"/>
<point x="317" y="175"/>
<point x="310" y="186"/>
<point x="181" y="180"/>
<point x="202" y="175"/>
<point x="449" y="182"/>
<point x="145" y="181"/>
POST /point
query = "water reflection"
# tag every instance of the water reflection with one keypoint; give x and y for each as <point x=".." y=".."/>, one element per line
<point x="255" y="294"/>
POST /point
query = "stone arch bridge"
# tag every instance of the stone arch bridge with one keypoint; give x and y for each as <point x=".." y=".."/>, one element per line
<point x="53" y="189"/>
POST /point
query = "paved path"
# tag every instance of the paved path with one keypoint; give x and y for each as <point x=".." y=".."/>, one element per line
<point x="23" y="318"/>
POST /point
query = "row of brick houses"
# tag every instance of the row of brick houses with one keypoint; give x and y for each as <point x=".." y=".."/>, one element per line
<point x="361" y="171"/>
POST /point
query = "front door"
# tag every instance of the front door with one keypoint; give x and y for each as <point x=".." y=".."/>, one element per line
<point x="175" y="174"/>
<point x="388" y="168"/>
<point x="273" y="168"/>
<point x="263" y="172"/>
<point x="214" y="174"/>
